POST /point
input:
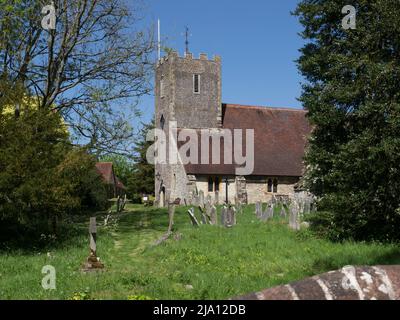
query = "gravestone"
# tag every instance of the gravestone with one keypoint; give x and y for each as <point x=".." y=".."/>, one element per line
<point x="201" y="198"/>
<point x="213" y="216"/>
<point x="208" y="199"/>
<point x="192" y="217"/>
<point x="171" y="213"/>
<point x="216" y="200"/>
<point x="203" y="216"/>
<point x="270" y="211"/>
<point x="223" y="215"/>
<point x="294" y="218"/>
<point x="258" y="209"/>
<point x="208" y="209"/>
<point x="93" y="262"/>
<point x="264" y="214"/>
<point x="233" y="216"/>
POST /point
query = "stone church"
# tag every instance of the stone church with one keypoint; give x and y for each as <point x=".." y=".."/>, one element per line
<point x="188" y="93"/>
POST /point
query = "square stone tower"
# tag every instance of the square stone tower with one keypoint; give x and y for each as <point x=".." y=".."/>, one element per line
<point x="187" y="91"/>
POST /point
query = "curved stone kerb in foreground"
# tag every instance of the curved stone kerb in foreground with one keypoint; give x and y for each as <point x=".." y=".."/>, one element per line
<point x="348" y="283"/>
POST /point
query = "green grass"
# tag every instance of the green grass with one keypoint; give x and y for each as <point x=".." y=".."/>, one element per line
<point x="217" y="263"/>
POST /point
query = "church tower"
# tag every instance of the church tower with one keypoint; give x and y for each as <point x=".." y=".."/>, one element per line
<point x="188" y="91"/>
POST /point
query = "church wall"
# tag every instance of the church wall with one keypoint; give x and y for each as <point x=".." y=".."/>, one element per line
<point x="257" y="188"/>
<point x="202" y="184"/>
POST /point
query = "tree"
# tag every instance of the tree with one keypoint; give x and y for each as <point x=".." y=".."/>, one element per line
<point x="42" y="177"/>
<point x="93" y="61"/>
<point x="353" y="101"/>
<point x="142" y="178"/>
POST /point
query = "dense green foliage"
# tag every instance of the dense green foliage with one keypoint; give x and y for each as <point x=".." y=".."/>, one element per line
<point x="141" y="180"/>
<point x="353" y="100"/>
<point x="42" y="177"/>
<point x="209" y="262"/>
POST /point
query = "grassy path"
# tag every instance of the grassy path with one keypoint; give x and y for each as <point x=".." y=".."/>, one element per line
<point x="209" y="262"/>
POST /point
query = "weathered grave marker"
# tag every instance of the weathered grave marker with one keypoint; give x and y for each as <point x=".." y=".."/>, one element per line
<point x="223" y="215"/>
<point x="213" y="216"/>
<point x="93" y="262"/>
<point x="192" y="217"/>
<point x="208" y="199"/>
<point x="294" y="219"/>
<point x="203" y="216"/>
<point x="216" y="201"/>
<point x="171" y="213"/>
<point x="208" y="209"/>
<point x="233" y="216"/>
<point x="258" y="209"/>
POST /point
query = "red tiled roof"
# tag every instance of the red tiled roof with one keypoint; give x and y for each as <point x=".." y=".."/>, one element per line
<point x="280" y="136"/>
<point x="106" y="171"/>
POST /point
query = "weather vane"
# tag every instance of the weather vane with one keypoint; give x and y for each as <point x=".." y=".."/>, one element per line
<point x="187" y="35"/>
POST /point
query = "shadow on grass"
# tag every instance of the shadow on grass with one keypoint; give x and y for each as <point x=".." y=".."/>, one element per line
<point x="34" y="236"/>
<point x="392" y="257"/>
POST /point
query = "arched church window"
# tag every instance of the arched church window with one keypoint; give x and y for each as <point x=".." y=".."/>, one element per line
<point x="269" y="185"/>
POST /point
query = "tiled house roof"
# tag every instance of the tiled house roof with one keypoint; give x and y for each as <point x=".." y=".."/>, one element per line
<point x="280" y="138"/>
<point x="106" y="171"/>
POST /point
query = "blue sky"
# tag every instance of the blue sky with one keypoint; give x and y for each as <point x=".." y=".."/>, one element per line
<point x="257" y="39"/>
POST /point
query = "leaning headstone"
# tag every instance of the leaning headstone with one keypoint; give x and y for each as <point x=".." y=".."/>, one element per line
<point x="192" y="217"/>
<point x="202" y="215"/>
<point x="213" y="216"/>
<point x="93" y="262"/>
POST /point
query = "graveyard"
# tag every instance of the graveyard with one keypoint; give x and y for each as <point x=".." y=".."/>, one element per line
<point x="230" y="253"/>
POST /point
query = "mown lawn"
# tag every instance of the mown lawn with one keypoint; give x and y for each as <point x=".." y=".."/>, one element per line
<point x="206" y="263"/>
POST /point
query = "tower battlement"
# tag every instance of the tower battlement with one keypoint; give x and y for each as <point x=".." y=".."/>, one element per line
<point x="188" y="56"/>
